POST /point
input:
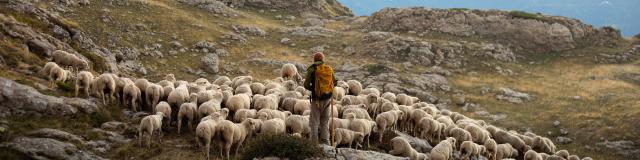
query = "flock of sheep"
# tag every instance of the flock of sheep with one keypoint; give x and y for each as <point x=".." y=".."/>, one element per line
<point x="228" y="111"/>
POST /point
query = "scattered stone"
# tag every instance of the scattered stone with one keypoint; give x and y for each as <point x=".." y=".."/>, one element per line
<point x="509" y="95"/>
<point x="209" y="63"/>
<point x="56" y="134"/>
<point x="313" y="22"/>
<point x="564" y="140"/>
<point x="556" y="123"/>
<point x="564" y="131"/>
<point x="623" y="147"/>
<point x="285" y="41"/>
<point x="249" y="30"/>
<point x="309" y="32"/>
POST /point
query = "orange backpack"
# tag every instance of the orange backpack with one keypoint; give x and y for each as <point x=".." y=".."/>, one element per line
<point x="324" y="80"/>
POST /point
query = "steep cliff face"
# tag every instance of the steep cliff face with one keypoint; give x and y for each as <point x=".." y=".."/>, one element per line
<point x="331" y="8"/>
<point x="522" y="31"/>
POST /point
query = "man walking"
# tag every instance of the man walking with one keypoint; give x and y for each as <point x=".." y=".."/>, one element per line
<point x="320" y="81"/>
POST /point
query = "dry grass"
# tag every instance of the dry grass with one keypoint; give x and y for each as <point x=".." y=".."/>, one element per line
<point x="554" y="82"/>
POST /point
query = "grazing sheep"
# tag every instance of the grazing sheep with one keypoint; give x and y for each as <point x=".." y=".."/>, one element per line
<point x="587" y="158"/>
<point x="257" y="88"/>
<point x="554" y="157"/>
<point x="404" y="99"/>
<point x="153" y="95"/>
<point x="288" y="104"/>
<point x="237" y="102"/>
<point x="164" y="108"/>
<point x="562" y="153"/>
<point x="429" y="129"/>
<point x="362" y="126"/>
<point x="150" y="124"/>
<point x="178" y="96"/>
<point x="468" y="149"/>
<point x="208" y="108"/>
<point x="132" y="95"/>
<point x="44" y="72"/>
<point x="266" y="102"/>
<point x="266" y="114"/>
<point x="368" y="91"/>
<point x="298" y="124"/>
<point x="505" y="151"/>
<point x="573" y="157"/>
<point x="460" y="134"/>
<point x="57" y="74"/>
<point x="338" y="93"/>
<point x="478" y="134"/>
<point x="355" y="87"/>
<point x="303" y="91"/>
<point x="273" y="126"/>
<point x="389" y="96"/>
<point x="218" y="115"/>
<point x="221" y="80"/>
<point x="532" y="155"/>
<point x="83" y="80"/>
<point x="345" y="136"/>
<point x="506" y="137"/>
<point x="387" y="120"/>
<point x="229" y="133"/>
<point x="401" y="147"/>
<point x="415" y="116"/>
<point x="444" y="150"/>
<point x="243" y="89"/>
<point x="189" y="111"/>
<point x="492" y="148"/>
<point x="290" y="72"/>
<point x="105" y="87"/>
<point x="544" y="145"/>
<point x="241" y="80"/>
<point x="289" y="85"/>
<point x="301" y="106"/>
<point x="358" y="111"/>
<point x="205" y="96"/>
<point x="205" y="131"/>
<point x="243" y="114"/>
<point x="69" y="60"/>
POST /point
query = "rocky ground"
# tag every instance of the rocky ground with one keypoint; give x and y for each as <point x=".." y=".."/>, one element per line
<point x="520" y="71"/>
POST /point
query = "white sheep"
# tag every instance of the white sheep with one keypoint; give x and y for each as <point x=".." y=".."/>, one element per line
<point x="243" y="114"/>
<point x="359" y="111"/>
<point x="221" y="80"/>
<point x="468" y="149"/>
<point x="105" y="87"/>
<point x="478" y="134"/>
<point x="492" y="148"/>
<point x="150" y="124"/>
<point x="132" y="95"/>
<point x="544" y="145"/>
<point x="362" y="126"/>
<point x="243" y="89"/>
<point x="338" y="93"/>
<point x="257" y="88"/>
<point x="266" y="114"/>
<point x="142" y="84"/>
<point x="532" y="155"/>
<point x="303" y="91"/>
<point x="404" y="99"/>
<point x="273" y="126"/>
<point x="207" y="108"/>
<point x="387" y="120"/>
<point x="389" y="96"/>
<point x="444" y="150"/>
<point x="237" y="102"/>
<point x="401" y="147"/>
<point x="69" y="60"/>
<point x="44" y="72"/>
<point x="506" y="137"/>
<point x="298" y="124"/>
<point x="205" y="131"/>
<point x="178" y="96"/>
<point x="164" y="108"/>
<point x="355" y="87"/>
<point x="241" y="80"/>
<point x="562" y="153"/>
<point x="368" y="91"/>
<point x="266" y="102"/>
<point x="153" y="95"/>
<point x="290" y="72"/>
<point x="289" y="85"/>
<point x="414" y="117"/>
<point x="188" y="110"/>
<point x="229" y="133"/>
<point x="505" y="151"/>
<point x="58" y="74"/>
<point x="83" y="80"/>
<point x="345" y="136"/>
<point x="205" y="96"/>
<point x="301" y="106"/>
<point x="429" y="129"/>
<point x="288" y="104"/>
<point x="342" y="123"/>
<point x="460" y="134"/>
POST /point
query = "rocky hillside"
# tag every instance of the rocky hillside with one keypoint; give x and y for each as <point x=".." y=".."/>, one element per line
<point x="503" y="67"/>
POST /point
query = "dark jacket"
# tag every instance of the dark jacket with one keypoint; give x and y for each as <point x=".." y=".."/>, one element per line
<point x="311" y="78"/>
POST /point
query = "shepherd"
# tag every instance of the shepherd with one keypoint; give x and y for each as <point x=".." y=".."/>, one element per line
<point x="320" y="81"/>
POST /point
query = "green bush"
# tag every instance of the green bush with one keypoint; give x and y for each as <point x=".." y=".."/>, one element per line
<point x="459" y="9"/>
<point x="283" y="146"/>
<point x="526" y="15"/>
<point x="66" y="86"/>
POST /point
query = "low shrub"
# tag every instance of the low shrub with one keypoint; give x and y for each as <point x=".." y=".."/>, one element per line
<point x="283" y="146"/>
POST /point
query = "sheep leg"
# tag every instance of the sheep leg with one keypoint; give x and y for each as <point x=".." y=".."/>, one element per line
<point x="149" y="140"/>
<point x="179" y="123"/>
<point x="190" y="123"/>
<point x="77" y="89"/>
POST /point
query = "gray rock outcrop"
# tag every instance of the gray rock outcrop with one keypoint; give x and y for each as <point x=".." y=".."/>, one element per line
<point x="18" y="99"/>
<point x="47" y="148"/>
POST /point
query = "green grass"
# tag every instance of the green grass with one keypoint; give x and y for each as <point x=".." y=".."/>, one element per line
<point x="459" y="9"/>
<point x="527" y="15"/>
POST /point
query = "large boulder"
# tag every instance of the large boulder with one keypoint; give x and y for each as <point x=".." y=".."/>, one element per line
<point x="47" y="148"/>
<point x="17" y="99"/>
<point x="525" y="31"/>
<point x="209" y="63"/>
<point x="330" y="8"/>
